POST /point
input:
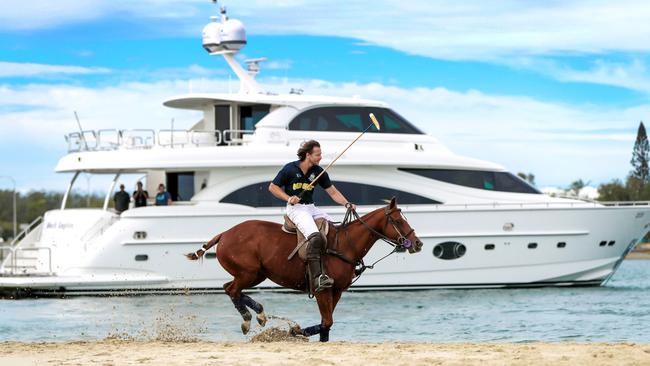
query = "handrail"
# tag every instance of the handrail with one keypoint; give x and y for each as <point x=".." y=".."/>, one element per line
<point x="113" y="139"/>
<point x="575" y="204"/>
<point x="14" y="261"/>
<point x="26" y="230"/>
<point x="99" y="227"/>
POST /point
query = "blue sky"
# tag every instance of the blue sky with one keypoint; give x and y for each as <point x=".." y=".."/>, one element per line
<point x="553" y="88"/>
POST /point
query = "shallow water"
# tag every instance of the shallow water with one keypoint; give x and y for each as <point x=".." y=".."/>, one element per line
<point x="620" y="311"/>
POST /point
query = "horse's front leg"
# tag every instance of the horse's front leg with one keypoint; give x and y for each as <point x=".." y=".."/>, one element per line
<point x="326" y="307"/>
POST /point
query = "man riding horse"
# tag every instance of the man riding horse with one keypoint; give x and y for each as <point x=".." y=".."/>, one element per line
<point x="295" y="185"/>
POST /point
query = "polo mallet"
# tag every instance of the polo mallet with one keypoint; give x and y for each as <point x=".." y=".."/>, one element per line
<point x="375" y="123"/>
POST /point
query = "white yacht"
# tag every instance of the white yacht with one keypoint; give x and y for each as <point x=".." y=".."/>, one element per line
<point x="481" y="225"/>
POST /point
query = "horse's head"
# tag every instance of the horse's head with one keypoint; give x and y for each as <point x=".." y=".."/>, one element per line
<point x="399" y="230"/>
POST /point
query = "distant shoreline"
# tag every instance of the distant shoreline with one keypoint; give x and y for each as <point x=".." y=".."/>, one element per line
<point x="115" y="352"/>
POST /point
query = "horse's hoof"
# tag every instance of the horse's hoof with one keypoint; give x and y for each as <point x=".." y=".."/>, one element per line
<point x="245" y="326"/>
<point x="295" y="331"/>
<point x="261" y="319"/>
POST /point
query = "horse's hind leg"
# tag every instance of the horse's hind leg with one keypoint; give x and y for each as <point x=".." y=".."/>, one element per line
<point x="241" y="301"/>
<point x="257" y="308"/>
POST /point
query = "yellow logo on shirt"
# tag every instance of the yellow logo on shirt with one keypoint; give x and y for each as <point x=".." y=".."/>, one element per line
<point x="304" y="186"/>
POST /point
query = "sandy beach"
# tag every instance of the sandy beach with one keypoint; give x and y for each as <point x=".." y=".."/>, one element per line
<point x="115" y="352"/>
<point x="642" y="251"/>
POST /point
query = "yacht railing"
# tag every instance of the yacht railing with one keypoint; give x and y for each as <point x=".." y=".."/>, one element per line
<point x="14" y="268"/>
<point x="576" y="204"/>
<point x="26" y="230"/>
<point x="113" y="139"/>
<point x="98" y="228"/>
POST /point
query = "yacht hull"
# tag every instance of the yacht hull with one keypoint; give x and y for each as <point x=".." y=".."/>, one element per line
<point x="142" y="251"/>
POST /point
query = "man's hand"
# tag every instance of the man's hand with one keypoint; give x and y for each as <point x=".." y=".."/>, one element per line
<point x="351" y="205"/>
<point x="293" y="200"/>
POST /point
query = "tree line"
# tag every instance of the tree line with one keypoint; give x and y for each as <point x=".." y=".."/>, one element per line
<point x="33" y="204"/>
<point x="636" y="186"/>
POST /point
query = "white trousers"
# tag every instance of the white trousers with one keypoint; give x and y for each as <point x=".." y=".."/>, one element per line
<point x="303" y="217"/>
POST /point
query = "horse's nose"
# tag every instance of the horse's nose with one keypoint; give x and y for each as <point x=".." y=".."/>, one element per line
<point x="418" y="244"/>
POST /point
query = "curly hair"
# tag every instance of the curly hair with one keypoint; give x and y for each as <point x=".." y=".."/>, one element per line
<point x="306" y="148"/>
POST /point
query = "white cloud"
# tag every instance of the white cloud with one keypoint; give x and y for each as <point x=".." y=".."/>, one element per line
<point x="278" y="65"/>
<point x="557" y="143"/>
<point x="16" y="69"/>
<point x="475" y="30"/>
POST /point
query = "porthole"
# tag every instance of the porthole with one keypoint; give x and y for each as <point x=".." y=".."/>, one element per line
<point x="449" y="250"/>
<point x="210" y="255"/>
<point x="438" y="251"/>
<point x="561" y="244"/>
<point x="141" y="257"/>
<point x="489" y="246"/>
<point x="611" y="243"/>
<point x="603" y="243"/>
<point x="459" y="250"/>
<point x="532" y="245"/>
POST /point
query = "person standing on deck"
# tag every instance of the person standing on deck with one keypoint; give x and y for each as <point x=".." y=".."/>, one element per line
<point x="121" y="200"/>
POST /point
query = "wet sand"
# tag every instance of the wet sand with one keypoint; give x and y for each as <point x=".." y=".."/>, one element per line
<point x="119" y="352"/>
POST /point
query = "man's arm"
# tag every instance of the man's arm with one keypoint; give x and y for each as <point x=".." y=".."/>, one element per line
<point x="338" y="197"/>
<point x="280" y="194"/>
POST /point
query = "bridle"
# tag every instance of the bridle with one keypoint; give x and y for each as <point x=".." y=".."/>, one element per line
<point x="401" y="244"/>
<point x="402" y="240"/>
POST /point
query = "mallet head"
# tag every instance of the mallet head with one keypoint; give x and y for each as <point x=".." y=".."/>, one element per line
<point x="374" y="121"/>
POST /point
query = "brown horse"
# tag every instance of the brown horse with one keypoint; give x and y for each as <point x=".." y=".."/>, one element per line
<point x="256" y="250"/>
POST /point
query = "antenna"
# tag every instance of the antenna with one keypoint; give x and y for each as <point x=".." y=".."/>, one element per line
<point x="254" y="65"/>
<point x="81" y="131"/>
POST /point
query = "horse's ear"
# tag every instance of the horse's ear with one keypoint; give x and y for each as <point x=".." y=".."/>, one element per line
<point x="392" y="204"/>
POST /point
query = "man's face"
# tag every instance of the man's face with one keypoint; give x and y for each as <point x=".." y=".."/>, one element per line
<point x="161" y="188"/>
<point x="315" y="156"/>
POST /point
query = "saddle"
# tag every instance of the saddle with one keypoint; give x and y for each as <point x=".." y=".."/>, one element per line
<point x="301" y="245"/>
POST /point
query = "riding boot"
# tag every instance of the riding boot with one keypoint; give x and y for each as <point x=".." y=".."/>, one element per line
<point x="319" y="280"/>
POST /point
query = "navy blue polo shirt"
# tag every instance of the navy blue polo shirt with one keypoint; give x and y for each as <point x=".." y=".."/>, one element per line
<point x="294" y="181"/>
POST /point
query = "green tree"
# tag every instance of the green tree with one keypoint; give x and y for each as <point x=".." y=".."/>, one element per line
<point x="33" y="204"/>
<point x="613" y="191"/>
<point x="530" y="177"/>
<point x="640" y="155"/>
<point x="577" y="185"/>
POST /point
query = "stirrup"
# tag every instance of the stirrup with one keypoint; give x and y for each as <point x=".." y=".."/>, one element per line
<point x="323" y="282"/>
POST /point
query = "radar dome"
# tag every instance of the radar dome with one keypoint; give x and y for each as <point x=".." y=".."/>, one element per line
<point x="233" y="35"/>
<point x="212" y="37"/>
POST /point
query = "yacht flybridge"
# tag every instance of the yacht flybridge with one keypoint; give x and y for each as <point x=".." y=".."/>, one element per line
<point x="481" y="225"/>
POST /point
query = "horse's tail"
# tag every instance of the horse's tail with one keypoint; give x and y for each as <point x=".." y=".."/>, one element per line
<point x="199" y="253"/>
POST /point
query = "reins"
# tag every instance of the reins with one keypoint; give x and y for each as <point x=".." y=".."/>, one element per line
<point x="359" y="264"/>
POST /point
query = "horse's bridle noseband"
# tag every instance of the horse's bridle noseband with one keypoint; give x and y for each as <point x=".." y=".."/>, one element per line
<point x="402" y="239"/>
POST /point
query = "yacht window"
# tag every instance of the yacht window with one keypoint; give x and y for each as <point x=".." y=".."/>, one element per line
<point x="350" y="119"/>
<point x="222" y="119"/>
<point x="257" y="195"/>
<point x="492" y="181"/>
<point x="249" y="115"/>
<point x="180" y="185"/>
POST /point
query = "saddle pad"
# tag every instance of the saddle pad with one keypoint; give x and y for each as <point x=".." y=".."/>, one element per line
<point x="301" y="245"/>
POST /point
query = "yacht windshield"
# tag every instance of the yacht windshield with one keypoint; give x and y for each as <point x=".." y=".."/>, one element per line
<point x="491" y="181"/>
<point x="351" y="119"/>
